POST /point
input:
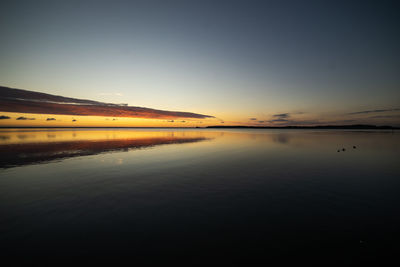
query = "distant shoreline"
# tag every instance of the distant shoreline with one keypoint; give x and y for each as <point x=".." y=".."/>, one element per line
<point x="344" y="127"/>
<point x="340" y="127"/>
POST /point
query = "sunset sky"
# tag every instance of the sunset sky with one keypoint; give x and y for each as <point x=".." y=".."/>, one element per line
<point x="267" y="63"/>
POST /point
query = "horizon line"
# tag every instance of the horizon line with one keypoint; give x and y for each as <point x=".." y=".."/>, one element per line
<point x="350" y="126"/>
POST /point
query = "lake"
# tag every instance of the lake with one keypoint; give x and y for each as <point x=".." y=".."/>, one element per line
<point x="199" y="195"/>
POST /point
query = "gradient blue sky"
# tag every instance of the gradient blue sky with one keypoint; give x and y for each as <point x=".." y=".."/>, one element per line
<point x="315" y="61"/>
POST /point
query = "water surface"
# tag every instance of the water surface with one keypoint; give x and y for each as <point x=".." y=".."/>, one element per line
<point x="198" y="195"/>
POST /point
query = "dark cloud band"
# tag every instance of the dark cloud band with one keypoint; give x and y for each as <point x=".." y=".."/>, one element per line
<point x="23" y="101"/>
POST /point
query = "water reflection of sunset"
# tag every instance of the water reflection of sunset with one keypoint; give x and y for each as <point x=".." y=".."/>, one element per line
<point x="13" y="136"/>
<point x="41" y="146"/>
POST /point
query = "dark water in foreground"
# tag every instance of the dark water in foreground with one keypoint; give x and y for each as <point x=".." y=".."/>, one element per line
<point x="199" y="196"/>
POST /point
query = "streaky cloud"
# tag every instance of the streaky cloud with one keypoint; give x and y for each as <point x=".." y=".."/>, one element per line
<point x="373" y="111"/>
<point x="2" y="117"/>
<point x="24" y="119"/>
<point x="385" y="117"/>
<point x="278" y="120"/>
<point x="282" y="115"/>
<point x="282" y="122"/>
<point x="24" y="101"/>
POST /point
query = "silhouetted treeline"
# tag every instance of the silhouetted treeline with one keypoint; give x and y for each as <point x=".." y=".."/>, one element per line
<point x="355" y="126"/>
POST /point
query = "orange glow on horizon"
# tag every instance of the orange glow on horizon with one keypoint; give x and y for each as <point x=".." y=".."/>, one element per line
<point x="51" y="120"/>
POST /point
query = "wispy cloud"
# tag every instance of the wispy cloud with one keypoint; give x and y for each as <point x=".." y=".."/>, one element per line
<point x="293" y="122"/>
<point x="278" y="120"/>
<point x="253" y="119"/>
<point x="373" y="111"/>
<point x="290" y="119"/>
<point x="23" y="101"/>
<point x="385" y="117"/>
<point x="2" y="117"/>
<point x="24" y="119"/>
<point x="282" y="115"/>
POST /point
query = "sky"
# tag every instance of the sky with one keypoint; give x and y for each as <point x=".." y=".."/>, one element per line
<point x="261" y="63"/>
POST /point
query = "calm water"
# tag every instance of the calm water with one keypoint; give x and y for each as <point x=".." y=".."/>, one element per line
<point x="199" y="196"/>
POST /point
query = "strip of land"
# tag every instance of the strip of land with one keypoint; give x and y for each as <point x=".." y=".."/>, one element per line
<point x="355" y="126"/>
<point x="343" y="127"/>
